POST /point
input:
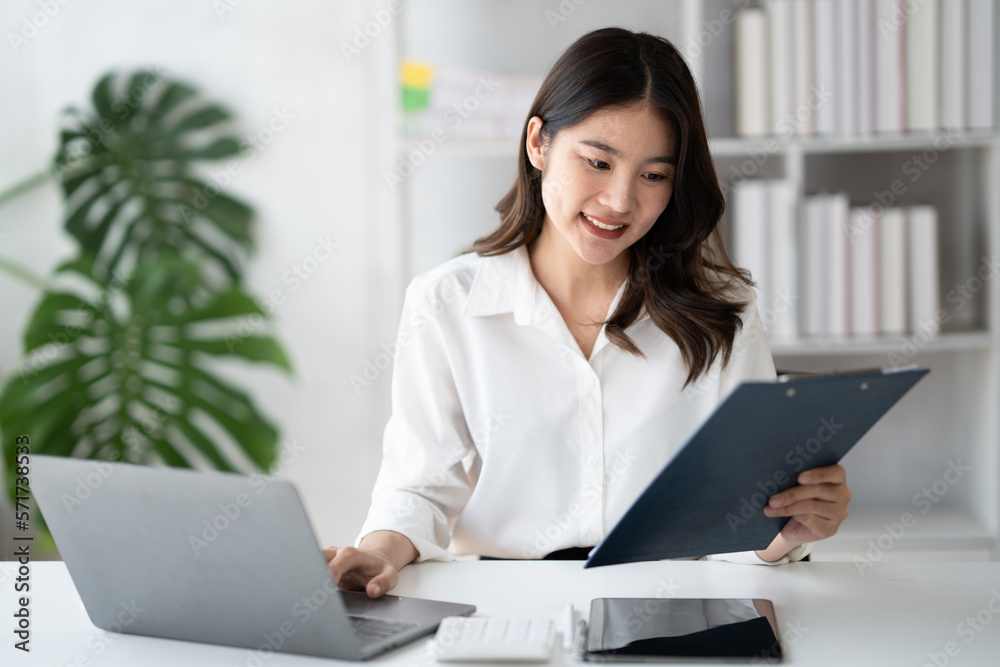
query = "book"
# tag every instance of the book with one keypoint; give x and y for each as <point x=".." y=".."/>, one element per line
<point x="751" y="236"/>
<point x="863" y="238"/>
<point x="837" y="217"/>
<point x="752" y="74"/>
<point x="825" y="39"/>
<point x="814" y="271"/>
<point x="893" y="271"/>
<point x="782" y="59"/>
<point x="924" y="283"/>
<point x="953" y="57"/>
<point x="847" y="66"/>
<point x="803" y="112"/>
<point x="980" y="64"/>
<point x="782" y="209"/>
<point x="890" y="68"/>
<point x="922" y="67"/>
<point x="866" y="70"/>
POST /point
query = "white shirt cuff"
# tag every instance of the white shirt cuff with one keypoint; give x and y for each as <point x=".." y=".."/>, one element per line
<point x="414" y="517"/>
<point x="426" y="550"/>
<point x="751" y="557"/>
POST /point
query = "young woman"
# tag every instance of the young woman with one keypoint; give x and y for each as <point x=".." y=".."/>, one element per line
<point x="544" y="379"/>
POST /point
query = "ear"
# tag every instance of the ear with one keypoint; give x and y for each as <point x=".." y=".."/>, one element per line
<point x="533" y="143"/>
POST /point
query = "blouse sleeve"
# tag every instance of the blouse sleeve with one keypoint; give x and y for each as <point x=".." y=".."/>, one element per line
<point x="422" y="485"/>
<point x="751" y="360"/>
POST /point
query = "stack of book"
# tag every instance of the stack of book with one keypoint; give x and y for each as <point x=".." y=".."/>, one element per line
<point x="444" y="101"/>
<point x="762" y="216"/>
<point x="859" y="270"/>
<point x="858" y="67"/>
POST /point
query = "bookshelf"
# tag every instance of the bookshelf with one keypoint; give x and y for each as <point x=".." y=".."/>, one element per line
<point x="951" y="416"/>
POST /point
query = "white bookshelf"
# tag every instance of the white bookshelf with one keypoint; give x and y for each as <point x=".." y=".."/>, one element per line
<point x="951" y="414"/>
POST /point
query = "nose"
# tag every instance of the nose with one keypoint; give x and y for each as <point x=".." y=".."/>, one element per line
<point x="619" y="193"/>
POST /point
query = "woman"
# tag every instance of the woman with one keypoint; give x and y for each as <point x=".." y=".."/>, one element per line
<point x="544" y="379"/>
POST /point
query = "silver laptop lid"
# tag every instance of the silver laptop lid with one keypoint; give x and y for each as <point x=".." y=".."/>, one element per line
<point x="195" y="555"/>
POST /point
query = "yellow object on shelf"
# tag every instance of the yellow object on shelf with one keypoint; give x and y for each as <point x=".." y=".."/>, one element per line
<point x="416" y="81"/>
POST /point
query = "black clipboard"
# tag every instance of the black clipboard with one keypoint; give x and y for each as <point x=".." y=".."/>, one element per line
<point x="709" y="497"/>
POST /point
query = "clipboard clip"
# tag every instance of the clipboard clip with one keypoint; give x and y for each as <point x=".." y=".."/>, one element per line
<point x="788" y="377"/>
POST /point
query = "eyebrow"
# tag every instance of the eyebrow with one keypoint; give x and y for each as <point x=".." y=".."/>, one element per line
<point x="599" y="145"/>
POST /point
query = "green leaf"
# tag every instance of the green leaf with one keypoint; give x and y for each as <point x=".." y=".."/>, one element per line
<point x="217" y="149"/>
<point x="255" y="435"/>
<point x="83" y="172"/>
<point x="102" y="95"/>
<point x="139" y="86"/>
<point x="99" y="403"/>
<point x="227" y="263"/>
<point x="204" y="445"/>
<point x="227" y="304"/>
<point x="43" y="327"/>
<point x="81" y="264"/>
<point x="251" y="348"/>
<point x="172" y="96"/>
<point x="170" y="455"/>
<point x="150" y="147"/>
<point x="76" y="222"/>
<point x="19" y="392"/>
<point x="230" y="215"/>
<point x="201" y="119"/>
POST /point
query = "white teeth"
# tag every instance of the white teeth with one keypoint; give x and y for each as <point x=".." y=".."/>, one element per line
<point x="602" y="226"/>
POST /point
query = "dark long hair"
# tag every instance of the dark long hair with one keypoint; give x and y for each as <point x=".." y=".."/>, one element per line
<point x="679" y="270"/>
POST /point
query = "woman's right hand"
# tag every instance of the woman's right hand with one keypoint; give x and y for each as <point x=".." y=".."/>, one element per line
<point x="360" y="570"/>
<point x="374" y="566"/>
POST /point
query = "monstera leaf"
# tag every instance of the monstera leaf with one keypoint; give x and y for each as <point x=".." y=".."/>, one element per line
<point x="125" y="354"/>
<point x="127" y="174"/>
<point x="120" y="371"/>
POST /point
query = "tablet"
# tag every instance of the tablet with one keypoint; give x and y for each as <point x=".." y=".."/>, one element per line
<point x="682" y="630"/>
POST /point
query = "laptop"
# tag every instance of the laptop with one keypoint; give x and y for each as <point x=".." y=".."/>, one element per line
<point x="213" y="557"/>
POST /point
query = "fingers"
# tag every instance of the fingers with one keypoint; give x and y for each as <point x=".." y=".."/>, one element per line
<point x="827" y="483"/>
<point x="831" y="493"/>
<point x="819" y="503"/>
<point x="811" y="528"/>
<point x="383" y="583"/>
<point x="834" y="474"/>
<point x="823" y="509"/>
<point x="797" y="532"/>
<point x="357" y="570"/>
<point x="348" y="565"/>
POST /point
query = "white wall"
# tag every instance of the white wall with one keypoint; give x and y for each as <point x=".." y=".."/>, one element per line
<point x="312" y="180"/>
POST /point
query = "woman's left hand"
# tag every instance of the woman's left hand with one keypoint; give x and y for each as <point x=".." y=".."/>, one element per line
<point x="817" y="506"/>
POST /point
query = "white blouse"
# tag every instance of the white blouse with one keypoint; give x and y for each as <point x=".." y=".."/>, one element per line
<point x="505" y="441"/>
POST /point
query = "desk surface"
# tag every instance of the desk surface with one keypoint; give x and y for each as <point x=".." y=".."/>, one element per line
<point x="828" y="613"/>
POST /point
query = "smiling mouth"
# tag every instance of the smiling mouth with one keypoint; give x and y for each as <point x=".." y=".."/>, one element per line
<point x="601" y="224"/>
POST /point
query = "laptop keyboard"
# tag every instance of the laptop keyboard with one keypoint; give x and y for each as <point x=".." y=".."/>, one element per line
<point x="374" y="629"/>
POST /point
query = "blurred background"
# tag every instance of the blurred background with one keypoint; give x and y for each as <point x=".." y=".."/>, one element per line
<point x="375" y="137"/>
<point x="311" y="182"/>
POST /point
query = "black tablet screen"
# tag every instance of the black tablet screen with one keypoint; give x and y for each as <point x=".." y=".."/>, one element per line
<point x="664" y="629"/>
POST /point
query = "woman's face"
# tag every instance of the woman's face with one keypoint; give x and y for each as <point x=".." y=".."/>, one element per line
<point x="605" y="180"/>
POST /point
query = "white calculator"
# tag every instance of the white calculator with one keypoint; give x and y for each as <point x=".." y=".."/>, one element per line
<point x="463" y="639"/>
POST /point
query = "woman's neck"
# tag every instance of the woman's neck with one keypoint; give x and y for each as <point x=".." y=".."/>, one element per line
<point x="567" y="277"/>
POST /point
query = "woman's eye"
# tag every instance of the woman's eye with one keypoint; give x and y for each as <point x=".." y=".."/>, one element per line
<point x="602" y="165"/>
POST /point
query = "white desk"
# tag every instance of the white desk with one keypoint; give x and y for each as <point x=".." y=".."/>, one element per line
<point x="828" y="614"/>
